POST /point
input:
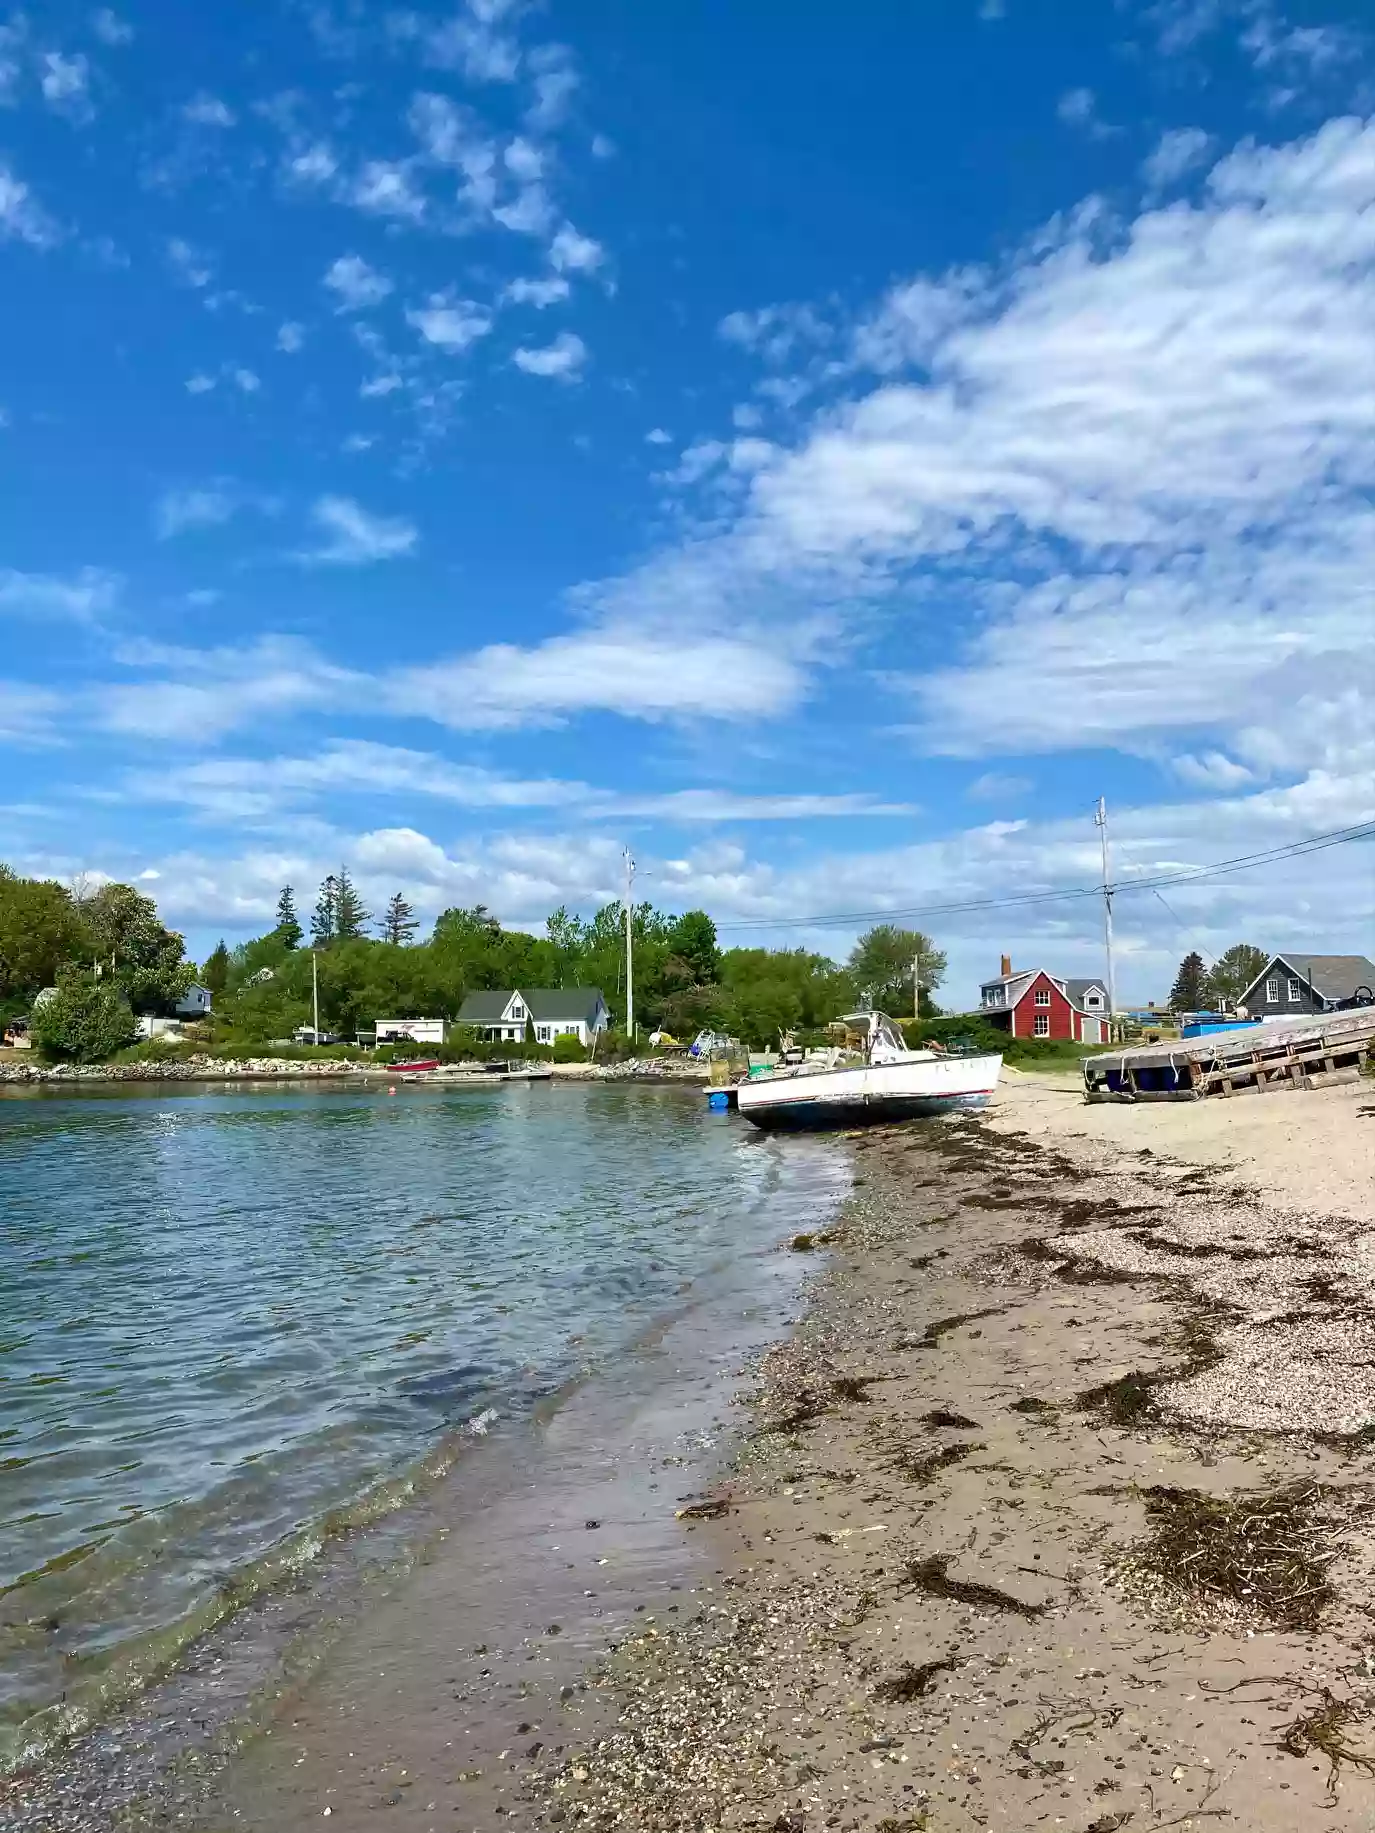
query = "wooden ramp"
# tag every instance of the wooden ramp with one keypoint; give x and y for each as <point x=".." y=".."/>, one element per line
<point x="1282" y="1053"/>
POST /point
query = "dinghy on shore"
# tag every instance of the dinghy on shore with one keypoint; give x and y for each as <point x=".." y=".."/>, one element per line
<point x="881" y="1081"/>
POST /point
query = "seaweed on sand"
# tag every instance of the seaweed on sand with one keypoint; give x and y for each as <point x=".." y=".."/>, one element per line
<point x="912" y="1681"/>
<point x="1266" y="1553"/>
<point x="920" y="1471"/>
<point x="1324" y="1729"/>
<point x="930" y="1576"/>
<point x="954" y="1422"/>
<point x="811" y="1402"/>
<point x="931" y="1336"/>
<point x="1124" y="1402"/>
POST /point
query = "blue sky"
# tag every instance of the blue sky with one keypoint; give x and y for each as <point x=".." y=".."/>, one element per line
<point x="823" y="451"/>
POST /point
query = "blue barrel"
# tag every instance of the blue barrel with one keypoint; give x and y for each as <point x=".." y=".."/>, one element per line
<point x="718" y="1101"/>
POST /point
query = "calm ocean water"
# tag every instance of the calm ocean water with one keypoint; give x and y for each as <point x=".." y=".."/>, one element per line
<point x="228" y="1319"/>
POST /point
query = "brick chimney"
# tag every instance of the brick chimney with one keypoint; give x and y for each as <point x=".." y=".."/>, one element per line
<point x="1006" y="966"/>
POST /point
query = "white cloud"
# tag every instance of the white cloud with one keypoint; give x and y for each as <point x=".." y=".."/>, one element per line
<point x="357" y="286"/>
<point x="992" y="787"/>
<point x="247" y="381"/>
<point x="555" y="86"/>
<point x="190" y="266"/>
<point x="451" y="324"/>
<point x="387" y="188"/>
<point x="313" y="164"/>
<point x="22" y="217"/>
<point x="656" y="436"/>
<point x="532" y="213"/>
<point x="66" y="85"/>
<point x="471" y="43"/>
<point x="205" y="110"/>
<point x="539" y="293"/>
<point x="639" y="672"/>
<point x="200" y="383"/>
<point x="377" y="387"/>
<point x="28" y="714"/>
<point x="79" y="599"/>
<point x="198" y="695"/>
<point x="208" y="506"/>
<point x="602" y="147"/>
<point x="291" y="337"/>
<point x="573" y="253"/>
<point x="776" y="333"/>
<point x="1079" y="108"/>
<point x="523" y="160"/>
<point x="110" y="29"/>
<point x="253" y="788"/>
<point x="1178" y="151"/>
<point x="355" y="537"/>
<point x="562" y="359"/>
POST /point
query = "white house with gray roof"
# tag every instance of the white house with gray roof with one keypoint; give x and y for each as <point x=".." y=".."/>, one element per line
<point x="501" y="1016"/>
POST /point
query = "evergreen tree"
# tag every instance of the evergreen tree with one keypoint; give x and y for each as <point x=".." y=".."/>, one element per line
<point x="350" y="918"/>
<point x="288" y="930"/>
<point x="399" y="923"/>
<point x="324" y="925"/>
<point x="215" y="973"/>
<point x="1189" y="992"/>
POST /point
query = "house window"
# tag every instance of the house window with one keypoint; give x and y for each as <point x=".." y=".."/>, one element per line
<point x="542" y="1033"/>
<point x="517" y="1010"/>
<point x="1043" y="996"/>
<point x="1272" y="992"/>
<point x="1041" y="1028"/>
<point x="993" y="996"/>
<point x="1295" y="989"/>
<point x="1093" y="1002"/>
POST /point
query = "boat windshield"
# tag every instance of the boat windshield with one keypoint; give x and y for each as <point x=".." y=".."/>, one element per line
<point x="882" y="1038"/>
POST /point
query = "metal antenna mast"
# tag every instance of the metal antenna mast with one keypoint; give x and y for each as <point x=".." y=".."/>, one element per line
<point x="629" y="928"/>
<point x="1100" y="821"/>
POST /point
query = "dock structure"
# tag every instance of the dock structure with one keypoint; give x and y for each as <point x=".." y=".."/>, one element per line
<point x="1316" y="1051"/>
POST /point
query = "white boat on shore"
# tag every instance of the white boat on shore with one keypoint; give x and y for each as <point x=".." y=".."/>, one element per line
<point x="882" y="1081"/>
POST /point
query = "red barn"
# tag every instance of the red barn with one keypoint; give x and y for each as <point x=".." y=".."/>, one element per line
<point x="1033" y="1003"/>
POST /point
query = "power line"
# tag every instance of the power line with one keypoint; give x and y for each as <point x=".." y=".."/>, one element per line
<point x="1188" y="875"/>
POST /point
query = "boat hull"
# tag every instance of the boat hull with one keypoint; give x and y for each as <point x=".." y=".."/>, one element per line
<point x="876" y="1096"/>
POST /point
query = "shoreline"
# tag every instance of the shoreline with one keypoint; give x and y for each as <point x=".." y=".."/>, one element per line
<point x="284" y="1069"/>
<point x="1028" y="1531"/>
<point x="943" y="1591"/>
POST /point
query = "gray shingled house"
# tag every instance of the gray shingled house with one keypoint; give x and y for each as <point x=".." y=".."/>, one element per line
<point x="1290" y="986"/>
<point x="502" y="1015"/>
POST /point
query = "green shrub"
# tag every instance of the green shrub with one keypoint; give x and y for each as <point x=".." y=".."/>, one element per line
<point x="157" y="1050"/>
<point x="83" y="1020"/>
<point x="569" y="1050"/>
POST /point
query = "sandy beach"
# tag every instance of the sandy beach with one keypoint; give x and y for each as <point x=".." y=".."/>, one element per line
<point x="1051" y="1511"/>
<point x="1054" y="1512"/>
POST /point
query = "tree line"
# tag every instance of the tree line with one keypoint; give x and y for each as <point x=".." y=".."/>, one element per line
<point x="108" y="958"/>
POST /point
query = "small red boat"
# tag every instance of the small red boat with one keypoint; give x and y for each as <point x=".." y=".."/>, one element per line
<point x="413" y="1069"/>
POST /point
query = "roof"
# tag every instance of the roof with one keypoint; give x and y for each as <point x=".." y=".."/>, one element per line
<point x="483" y="1008"/>
<point x="1076" y="990"/>
<point x="553" y="1003"/>
<point x="544" y="1004"/>
<point x="1332" y="976"/>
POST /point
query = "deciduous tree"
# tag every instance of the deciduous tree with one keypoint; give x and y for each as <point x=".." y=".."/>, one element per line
<point x="881" y="961"/>
<point x="128" y="938"/>
<point x="84" y="1019"/>
<point x="1234" y="970"/>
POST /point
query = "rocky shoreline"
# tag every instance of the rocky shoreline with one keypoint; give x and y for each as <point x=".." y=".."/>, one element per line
<point x="286" y="1069"/>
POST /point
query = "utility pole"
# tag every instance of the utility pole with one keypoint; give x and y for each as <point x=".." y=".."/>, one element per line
<point x="315" y="992"/>
<point x="1100" y="821"/>
<point x="916" y="985"/>
<point x="629" y="927"/>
